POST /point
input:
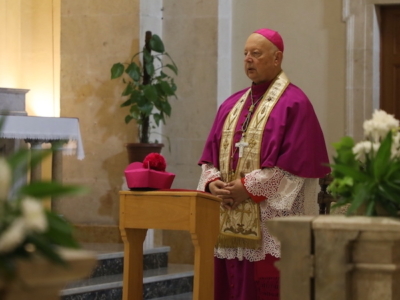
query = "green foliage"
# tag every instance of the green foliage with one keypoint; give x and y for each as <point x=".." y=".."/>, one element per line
<point x="42" y="231"/>
<point x="370" y="186"/>
<point x="147" y="88"/>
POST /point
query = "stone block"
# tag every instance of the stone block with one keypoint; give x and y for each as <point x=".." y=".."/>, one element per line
<point x="295" y="267"/>
<point x="338" y="257"/>
<point x="12" y="101"/>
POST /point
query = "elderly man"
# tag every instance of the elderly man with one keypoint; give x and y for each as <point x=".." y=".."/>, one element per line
<point x="262" y="157"/>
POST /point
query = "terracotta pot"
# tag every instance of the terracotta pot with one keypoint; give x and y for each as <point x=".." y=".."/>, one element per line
<point x="138" y="151"/>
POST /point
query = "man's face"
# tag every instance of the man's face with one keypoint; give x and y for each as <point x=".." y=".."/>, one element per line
<point x="262" y="61"/>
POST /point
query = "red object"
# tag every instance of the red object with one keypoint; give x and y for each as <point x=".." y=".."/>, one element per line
<point x="256" y="199"/>
<point x="155" y="161"/>
<point x="150" y="174"/>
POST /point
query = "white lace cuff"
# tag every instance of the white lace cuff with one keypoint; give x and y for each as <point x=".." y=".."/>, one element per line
<point x="208" y="173"/>
<point x="280" y="188"/>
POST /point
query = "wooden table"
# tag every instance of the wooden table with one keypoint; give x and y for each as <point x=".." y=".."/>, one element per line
<point x="193" y="211"/>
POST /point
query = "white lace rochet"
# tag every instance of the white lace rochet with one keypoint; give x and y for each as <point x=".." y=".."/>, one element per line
<point x="285" y="194"/>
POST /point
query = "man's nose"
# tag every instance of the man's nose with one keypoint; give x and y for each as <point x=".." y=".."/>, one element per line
<point x="248" y="57"/>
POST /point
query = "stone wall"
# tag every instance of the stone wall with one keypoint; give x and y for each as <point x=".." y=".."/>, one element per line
<point x="315" y="51"/>
<point x="94" y="36"/>
<point x="190" y="31"/>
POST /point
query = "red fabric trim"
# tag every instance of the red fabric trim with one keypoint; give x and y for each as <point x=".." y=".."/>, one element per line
<point x="206" y="188"/>
<point x="256" y="199"/>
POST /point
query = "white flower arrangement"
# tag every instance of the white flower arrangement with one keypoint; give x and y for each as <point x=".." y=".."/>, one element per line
<point x="27" y="228"/>
<point x="375" y="130"/>
<point x="367" y="174"/>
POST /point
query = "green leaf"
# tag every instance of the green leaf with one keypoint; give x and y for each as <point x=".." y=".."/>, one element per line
<point x="173" y="63"/>
<point x="341" y="186"/>
<point x="19" y="159"/>
<point x="351" y="172"/>
<point x="388" y="207"/>
<point x="128" y="118"/>
<point x="156" y="44"/>
<point x="134" y="96"/>
<point x="344" y="148"/>
<point x="359" y="198"/>
<point x="382" y="158"/>
<point x="162" y="76"/>
<point x="166" y="108"/>
<point x="150" y="92"/>
<point x="133" y="71"/>
<point x="126" y="103"/>
<point x="167" y="89"/>
<point x="149" y="68"/>
<point x="137" y="97"/>
<point x="388" y="193"/>
<point x="370" y="211"/>
<point x="173" y="86"/>
<point x="157" y="118"/>
<point x="42" y="189"/>
<point x="346" y="142"/>
<point x="173" y="68"/>
<point x="117" y="70"/>
<point x="146" y="108"/>
<point x="24" y="158"/>
<point x="47" y="250"/>
<point x="394" y="186"/>
<point x="128" y="89"/>
<point x="147" y="57"/>
<point x="393" y="173"/>
<point x="60" y="231"/>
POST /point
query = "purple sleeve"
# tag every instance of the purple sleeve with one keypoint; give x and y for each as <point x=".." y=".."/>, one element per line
<point x="293" y="139"/>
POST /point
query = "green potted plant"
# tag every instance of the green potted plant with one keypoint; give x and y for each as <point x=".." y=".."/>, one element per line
<point x="32" y="235"/>
<point x="147" y="90"/>
<point x="366" y="175"/>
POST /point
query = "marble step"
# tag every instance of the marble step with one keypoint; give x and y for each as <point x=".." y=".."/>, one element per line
<point x="172" y="280"/>
<point x="160" y="278"/>
<point x="111" y="258"/>
<point x="185" y="296"/>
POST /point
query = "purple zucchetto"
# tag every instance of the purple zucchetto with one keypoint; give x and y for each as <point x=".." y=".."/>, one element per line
<point x="273" y="36"/>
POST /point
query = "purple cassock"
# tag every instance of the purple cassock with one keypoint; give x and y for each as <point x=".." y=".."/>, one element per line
<point x="293" y="141"/>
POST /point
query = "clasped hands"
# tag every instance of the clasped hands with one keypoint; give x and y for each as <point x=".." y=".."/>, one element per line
<point x="232" y="193"/>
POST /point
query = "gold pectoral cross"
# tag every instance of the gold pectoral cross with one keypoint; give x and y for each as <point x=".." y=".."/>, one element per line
<point x="241" y="146"/>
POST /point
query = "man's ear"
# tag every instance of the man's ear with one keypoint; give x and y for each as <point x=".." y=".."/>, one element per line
<point x="278" y="57"/>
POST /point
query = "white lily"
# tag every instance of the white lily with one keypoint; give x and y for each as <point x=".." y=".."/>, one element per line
<point x="378" y="127"/>
<point x="13" y="236"/>
<point x="362" y="149"/>
<point x="34" y="216"/>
